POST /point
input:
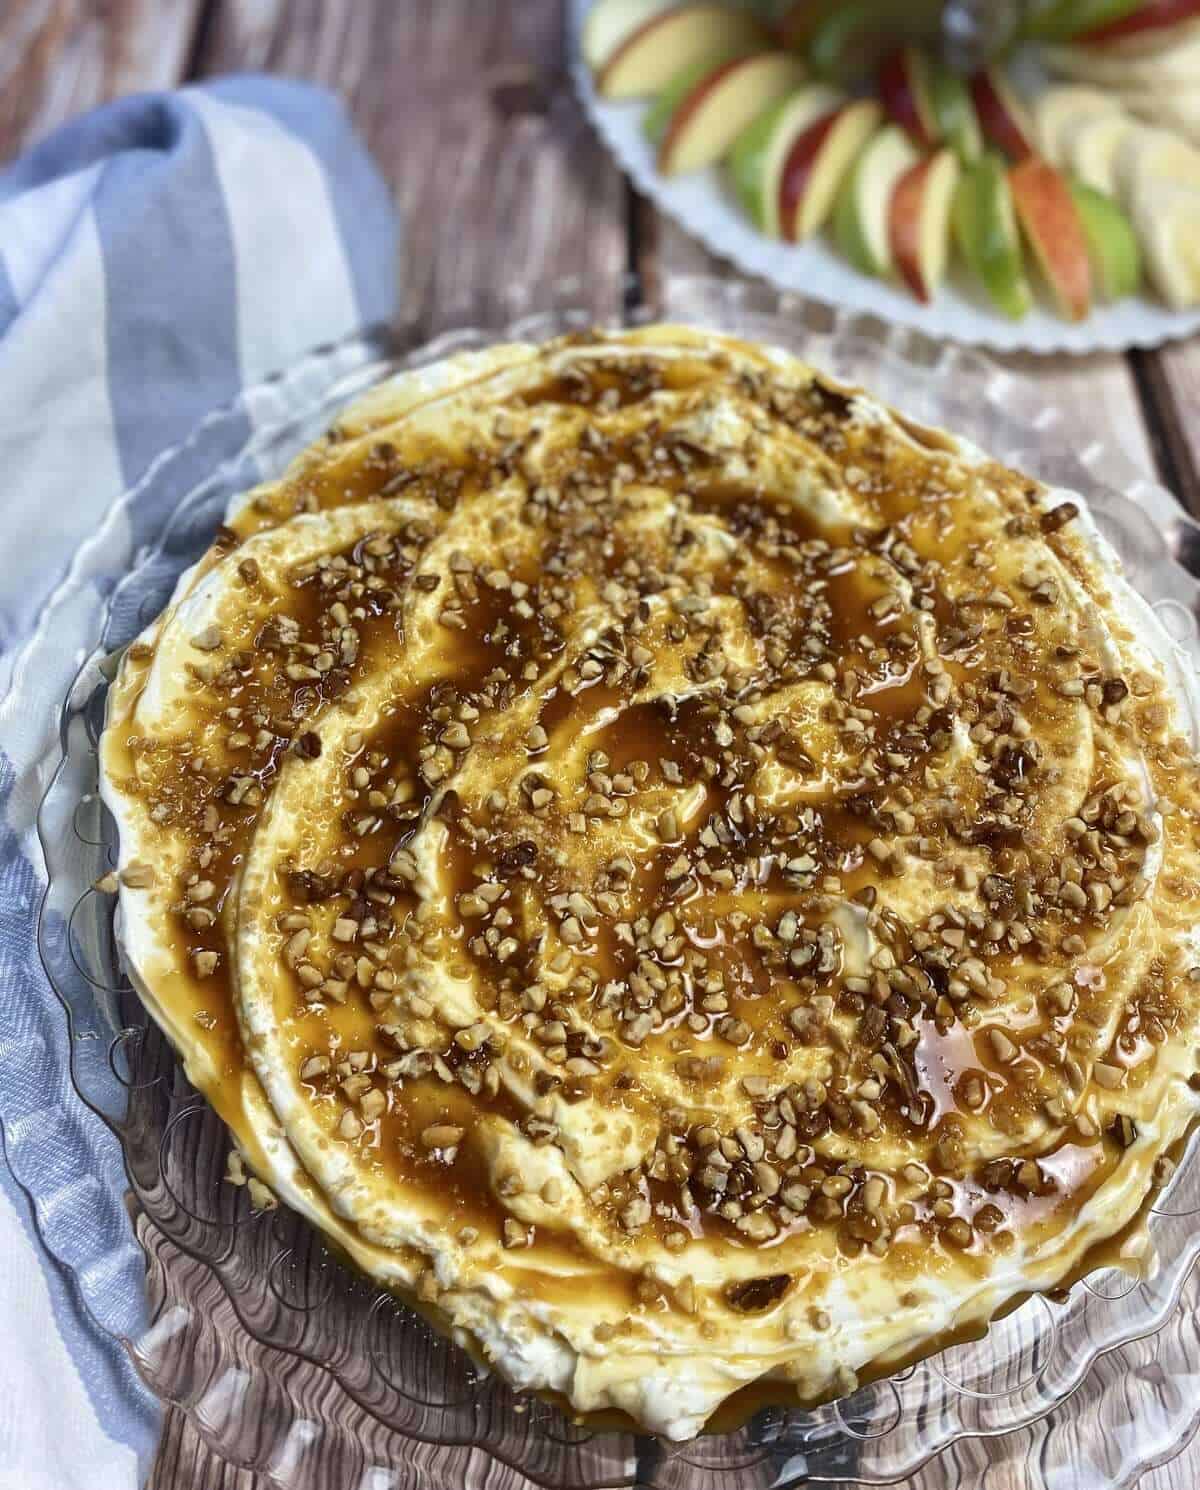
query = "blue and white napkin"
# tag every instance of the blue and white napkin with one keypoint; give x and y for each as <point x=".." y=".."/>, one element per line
<point x="157" y="257"/>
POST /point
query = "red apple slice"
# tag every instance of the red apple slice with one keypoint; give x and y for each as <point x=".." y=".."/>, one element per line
<point x="1050" y="221"/>
<point x="1003" y="116"/>
<point x="668" y="43"/>
<point x="919" y="222"/>
<point x="610" y="23"/>
<point x="904" y="93"/>
<point x="817" y="164"/>
<point x="719" y="107"/>
<point x="1151" y="15"/>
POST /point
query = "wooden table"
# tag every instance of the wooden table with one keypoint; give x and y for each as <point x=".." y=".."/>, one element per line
<point x="466" y="107"/>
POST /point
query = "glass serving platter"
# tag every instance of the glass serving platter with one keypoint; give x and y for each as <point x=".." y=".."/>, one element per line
<point x="292" y="1364"/>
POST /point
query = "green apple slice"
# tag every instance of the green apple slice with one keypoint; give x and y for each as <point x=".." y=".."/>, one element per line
<point x="1111" y="240"/>
<point x="714" y="111"/>
<point x="861" y="219"/>
<point x="985" y="227"/>
<point x="954" y="112"/>
<point x="758" y="155"/>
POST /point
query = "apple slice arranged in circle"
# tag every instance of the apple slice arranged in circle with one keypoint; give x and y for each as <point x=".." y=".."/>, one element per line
<point x="985" y="226"/>
<point x="903" y="89"/>
<point x="861" y="225"/>
<point x="816" y="165"/>
<point x="919" y="222"/>
<point x="610" y="23"/>
<point x="1002" y="116"/>
<point x="670" y="41"/>
<point x="1050" y="220"/>
<point x="716" y="109"/>
<point x="757" y="160"/>
<point x="1112" y="243"/>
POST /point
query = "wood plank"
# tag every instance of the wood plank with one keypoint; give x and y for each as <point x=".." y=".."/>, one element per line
<point x="60" y="57"/>
<point x="1170" y="379"/>
<point x="469" y="112"/>
<point x="1098" y="395"/>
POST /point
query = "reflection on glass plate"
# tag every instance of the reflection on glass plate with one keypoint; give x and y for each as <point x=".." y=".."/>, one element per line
<point x="290" y="1363"/>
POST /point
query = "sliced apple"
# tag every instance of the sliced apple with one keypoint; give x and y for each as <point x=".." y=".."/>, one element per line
<point x="672" y="41"/>
<point x="1090" y="149"/>
<point x="849" y="42"/>
<point x="1168" y="222"/>
<point x="1177" y="65"/>
<point x="1050" y="221"/>
<point x="657" y="117"/>
<point x="1150" y="15"/>
<point x="985" y="227"/>
<point x="1112" y="243"/>
<point x="1177" y="109"/>
<point x="955" y="122"/>
<point x="904" y="92"/>
<point x="817" y="164"/>
<point x="1059" y="110"/>
<point x="716" y="110"/>
<point x="919" y="221"/>
<point x="861" y="225"/>
<point x="609" y="23"/>
<point x="1154" y="156"/>
<point x="757" y="159"/>
<point x="1003" y="117"/>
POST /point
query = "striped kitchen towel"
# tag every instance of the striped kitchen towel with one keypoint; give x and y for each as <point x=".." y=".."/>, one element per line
<point x="157" y="257"/>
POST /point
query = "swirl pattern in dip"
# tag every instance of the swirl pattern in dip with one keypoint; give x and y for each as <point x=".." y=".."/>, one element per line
<point x="685" y="872"/>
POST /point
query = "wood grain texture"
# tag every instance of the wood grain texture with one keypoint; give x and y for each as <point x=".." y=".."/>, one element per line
<point x="60" y="57"/>
<point x="468" y="111"/>
<point x="1170" y="380"/>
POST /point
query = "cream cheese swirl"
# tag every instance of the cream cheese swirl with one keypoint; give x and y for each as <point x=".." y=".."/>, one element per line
<point x="683" y="870"/>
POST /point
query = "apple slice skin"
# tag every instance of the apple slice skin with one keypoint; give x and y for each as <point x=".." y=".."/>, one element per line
<point x="827" y="146"/>
<point x="772" y="74"/>
<point x="847" y="43"/>
<point x="1151" y="15"/>
<point x="903" y="92"/>
<point x="761" y="149"/>
<point x="956" y="123"/>
<point x="985" y="227"/>
<point x="658" y="46"/>
<point x="867" y="192"/>
<point x="919" y="221"/>
<point x="1112" y="242"/>
<point x="1048" y="215"/>
<point x="997" y="117"/>
<point x="658" y="116"/>
<point x="610" y="23"/>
